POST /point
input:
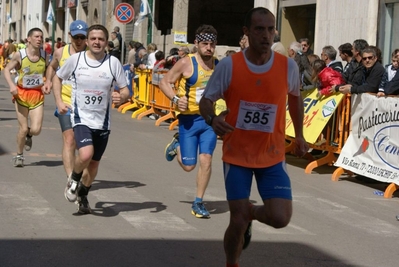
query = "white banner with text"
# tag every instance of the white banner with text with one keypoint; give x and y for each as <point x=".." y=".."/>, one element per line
<point x="372" y="148"/>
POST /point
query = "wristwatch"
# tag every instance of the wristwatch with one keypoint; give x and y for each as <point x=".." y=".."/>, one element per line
<point x="175" y="100"/>
<point x="209" y="119"/>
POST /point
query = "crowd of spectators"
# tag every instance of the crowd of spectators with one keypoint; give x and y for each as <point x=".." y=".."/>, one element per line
<point x="359" y="70"/>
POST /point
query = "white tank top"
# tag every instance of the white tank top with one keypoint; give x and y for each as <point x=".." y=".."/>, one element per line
<point x="91" y="94"/>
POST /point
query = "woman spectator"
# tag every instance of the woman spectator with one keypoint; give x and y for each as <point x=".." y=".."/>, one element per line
<point x="131" y="54"/>
<point x="172" y="58"/>
<point x="8" y="51"/>
<point x="326" y="78"/>
<point x="151" y="50"/>
<point x="305" y="69"/>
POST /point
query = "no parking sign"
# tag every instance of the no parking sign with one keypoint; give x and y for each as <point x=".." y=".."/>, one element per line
<point x="124" y="13"/>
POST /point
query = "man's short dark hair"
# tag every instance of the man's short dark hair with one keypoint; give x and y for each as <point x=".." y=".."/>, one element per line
<point x="304" y="40"/>
<point x="98" y="27"/>
<point x="346" y="48"/>
<point x="206" y="29"/>
<point x="159" y="55"/>
<point x="359" y="45"/>
<point x="31" y="31"/>
<point x="248" y="16"/>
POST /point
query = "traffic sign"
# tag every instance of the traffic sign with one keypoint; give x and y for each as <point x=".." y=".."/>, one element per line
<point x="124" y="13"/>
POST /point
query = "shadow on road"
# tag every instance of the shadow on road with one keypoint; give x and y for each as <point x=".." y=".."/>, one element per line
<point x="47" y="163"/>
<point x="111" y="209"/>
<point x="154" y="253"/>
<point x="215" y="207"/>
<point x="3" y="151"/>
<point x="101" y="184"/>
<point x="8" y="119"/>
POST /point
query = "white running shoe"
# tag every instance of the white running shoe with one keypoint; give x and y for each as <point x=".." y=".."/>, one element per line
<point x="18" y="161"/>
<point x="70" y="192"/>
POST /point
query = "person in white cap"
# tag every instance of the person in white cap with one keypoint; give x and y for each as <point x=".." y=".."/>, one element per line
<point x="78" y="34"/>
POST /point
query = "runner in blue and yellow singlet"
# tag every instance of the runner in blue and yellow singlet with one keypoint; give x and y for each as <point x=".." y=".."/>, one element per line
<point x="78" y="34"/>
<point x="194" y="133"/>
<point x="28" y="92"/>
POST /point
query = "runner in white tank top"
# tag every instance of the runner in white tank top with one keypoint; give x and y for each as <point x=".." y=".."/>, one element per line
<point x="93" y="73"/>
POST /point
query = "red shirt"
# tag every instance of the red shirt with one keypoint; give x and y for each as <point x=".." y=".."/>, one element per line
<point x="48" y="49"/>
<point x="329" y="77"/>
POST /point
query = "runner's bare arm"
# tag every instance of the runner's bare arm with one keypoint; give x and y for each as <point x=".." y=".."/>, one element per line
<point x="57" y="87"/>
<point x="120" y="97"/>
<point x="15" y="63"/>
<point x="180" y="69"/>
<point x="296" y="110"/>
<point x="50" y="72"/>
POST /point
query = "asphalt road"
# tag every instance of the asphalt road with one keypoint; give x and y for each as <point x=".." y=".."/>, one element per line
<point x="142" y="204"/>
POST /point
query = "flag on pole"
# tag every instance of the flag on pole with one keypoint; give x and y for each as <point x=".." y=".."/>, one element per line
<point x="50" y="14"/>
<point x="144" y="8"/>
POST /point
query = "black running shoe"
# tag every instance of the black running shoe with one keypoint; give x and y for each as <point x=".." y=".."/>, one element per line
<point x="247" y="236"/>
<point x="84" y="207"/>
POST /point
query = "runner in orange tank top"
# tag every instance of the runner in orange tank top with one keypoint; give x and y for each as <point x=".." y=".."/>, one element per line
<point x="27" y="94"/>
<point x="255" y="83"/>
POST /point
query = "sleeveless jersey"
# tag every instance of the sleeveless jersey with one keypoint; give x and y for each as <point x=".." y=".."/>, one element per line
<point x="91" y="93"/>
<point x="30" y="75"/>
<point x="193" y="86"/>
<point x="257" y="103"/>
<point x="66" y="92"/>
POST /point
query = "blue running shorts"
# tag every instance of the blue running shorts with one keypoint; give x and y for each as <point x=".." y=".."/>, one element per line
<point x="194" y="133"/>
<point x="272" y="182"/>
<point x="64" y="120"/>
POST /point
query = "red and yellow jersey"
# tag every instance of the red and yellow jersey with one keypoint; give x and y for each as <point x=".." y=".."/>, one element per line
<point x="31" y="74"/>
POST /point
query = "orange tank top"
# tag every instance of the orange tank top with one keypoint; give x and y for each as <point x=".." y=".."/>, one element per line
<point x="257" y="104"/>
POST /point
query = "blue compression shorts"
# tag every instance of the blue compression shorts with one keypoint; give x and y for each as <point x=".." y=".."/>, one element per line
<point x="194" y="133"/>
<point x="272" y="182"/>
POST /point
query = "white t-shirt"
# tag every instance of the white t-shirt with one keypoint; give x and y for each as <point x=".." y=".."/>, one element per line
<point x="92" y="87"/>
<point x="151" y="60"/>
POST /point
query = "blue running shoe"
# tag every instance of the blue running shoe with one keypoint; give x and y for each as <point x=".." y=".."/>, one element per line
<point x="170" y="150"/>
<point x="198" y="210"/>
<point x="247" y="236"/>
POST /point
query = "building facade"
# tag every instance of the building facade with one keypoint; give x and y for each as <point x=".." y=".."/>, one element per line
<point x="173" y="22"/>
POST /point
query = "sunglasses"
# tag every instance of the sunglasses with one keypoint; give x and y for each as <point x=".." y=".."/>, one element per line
<point x="369" y="58"/>
<point x="81" y="37"/>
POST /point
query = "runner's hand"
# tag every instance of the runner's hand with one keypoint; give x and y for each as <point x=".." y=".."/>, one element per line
<point x="116" y="98"/>
<point x="13" y="90"/>
<point x="220" y="126"/>
<point x="63" y="108"/>
<point x="301" y="147"/>
<point x="46" y="88"/>
<point x="183" y="103"/>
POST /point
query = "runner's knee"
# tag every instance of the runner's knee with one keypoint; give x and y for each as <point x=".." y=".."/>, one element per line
<point x="188" y="168"/>
<point x="35" y="130"/>
<point x="280" y="220"/>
